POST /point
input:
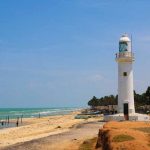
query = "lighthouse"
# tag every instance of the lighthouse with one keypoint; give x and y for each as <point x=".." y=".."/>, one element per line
<point x="125" y="59"/>
<point x="126" y="108"/>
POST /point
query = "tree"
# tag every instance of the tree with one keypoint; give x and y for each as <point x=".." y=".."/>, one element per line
<point x="93" y="102"/>
<point x="140" y="100"/>
<point x="147" y="94"/>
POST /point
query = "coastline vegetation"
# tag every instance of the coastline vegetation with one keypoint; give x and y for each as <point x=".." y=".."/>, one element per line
<point x="141" y="101"/>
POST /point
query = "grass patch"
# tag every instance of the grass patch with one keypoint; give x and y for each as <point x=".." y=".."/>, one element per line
<point x="88" y="144"/>
<point x="122" y="138"/>
<point x="114" y="128"/>
<point x="143" y="129"/>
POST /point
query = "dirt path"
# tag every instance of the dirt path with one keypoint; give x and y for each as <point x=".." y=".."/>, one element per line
<point x="64" y="141"/>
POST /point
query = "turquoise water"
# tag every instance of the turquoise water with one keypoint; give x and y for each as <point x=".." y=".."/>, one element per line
<point x="33" y="112"/>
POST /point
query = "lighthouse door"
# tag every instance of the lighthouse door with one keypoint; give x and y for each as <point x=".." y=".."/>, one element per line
<point x="126" y="111"/>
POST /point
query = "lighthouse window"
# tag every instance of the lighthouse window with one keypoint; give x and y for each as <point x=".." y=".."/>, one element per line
<point x="124" y="74"/>
<point x="123" y="46"/>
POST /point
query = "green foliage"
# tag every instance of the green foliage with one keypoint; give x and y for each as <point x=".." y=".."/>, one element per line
<point x="93" y="102"/>
<point x="88" y="144"/>
<point x="144" y="129"/>
<point x="103" y="101"/>
<point x="140" y="100"/>
<point x="122" y="138"/>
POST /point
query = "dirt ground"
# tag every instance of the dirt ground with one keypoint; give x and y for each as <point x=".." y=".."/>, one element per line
<point x="128" y="135"/>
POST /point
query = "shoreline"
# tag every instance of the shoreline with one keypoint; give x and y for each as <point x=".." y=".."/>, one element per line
<point x="22" y="119"/>
<point x="36" y="128"/>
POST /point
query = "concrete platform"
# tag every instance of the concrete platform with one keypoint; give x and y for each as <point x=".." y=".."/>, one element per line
<point x="132" y="117"/>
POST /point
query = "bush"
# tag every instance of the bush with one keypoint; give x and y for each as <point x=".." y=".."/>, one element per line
<point x="122" y="138"/>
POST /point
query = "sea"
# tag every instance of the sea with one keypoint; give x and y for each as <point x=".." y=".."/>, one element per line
<point x="13" y="117"/>
<point x="13" y="113"/>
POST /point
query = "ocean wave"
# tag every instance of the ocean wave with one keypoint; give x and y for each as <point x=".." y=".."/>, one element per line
<point x="34" y="112"/>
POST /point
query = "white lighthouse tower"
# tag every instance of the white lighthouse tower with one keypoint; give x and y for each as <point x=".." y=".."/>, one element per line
<point x="126" y="108"/>
<point x="125" y="60"/>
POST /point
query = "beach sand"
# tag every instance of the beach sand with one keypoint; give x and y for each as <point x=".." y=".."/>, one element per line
<point x="47" y="132"/>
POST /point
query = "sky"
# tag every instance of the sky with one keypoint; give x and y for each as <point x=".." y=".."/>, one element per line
<point x="56" y="53"/>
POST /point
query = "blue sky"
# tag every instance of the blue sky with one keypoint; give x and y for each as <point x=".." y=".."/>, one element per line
<point x="56" y="53"/>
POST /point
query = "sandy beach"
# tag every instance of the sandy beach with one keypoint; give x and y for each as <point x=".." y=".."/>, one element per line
<point x="52" y="126"/>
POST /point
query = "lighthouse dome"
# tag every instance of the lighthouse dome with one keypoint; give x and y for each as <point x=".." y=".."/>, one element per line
<point x="124" y="38"/>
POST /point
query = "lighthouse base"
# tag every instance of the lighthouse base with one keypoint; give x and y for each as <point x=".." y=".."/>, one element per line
<point x="132" y="117"/>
